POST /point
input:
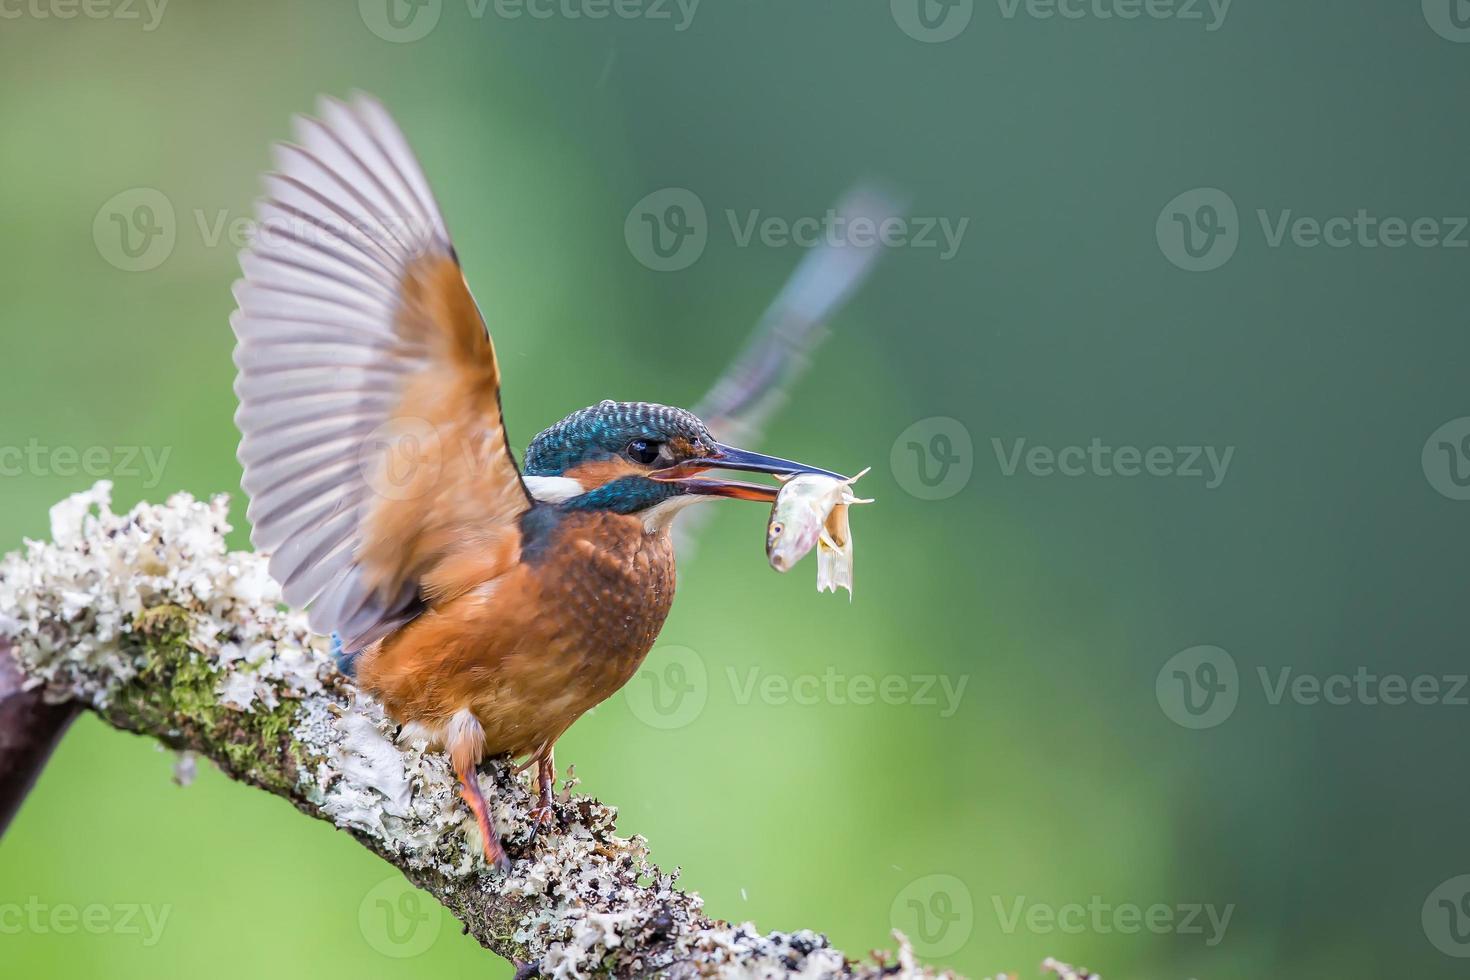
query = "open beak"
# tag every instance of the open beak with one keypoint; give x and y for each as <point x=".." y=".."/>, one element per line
<point x="687" y="474"/>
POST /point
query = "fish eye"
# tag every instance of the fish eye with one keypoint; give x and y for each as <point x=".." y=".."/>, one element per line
<point x="777" y="528"/>
<point x="645" y="451"/>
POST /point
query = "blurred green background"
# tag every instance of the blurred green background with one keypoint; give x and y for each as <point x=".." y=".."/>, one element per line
<point x="1060" y="792"/>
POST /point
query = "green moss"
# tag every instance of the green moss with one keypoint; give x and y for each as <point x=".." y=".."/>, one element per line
<point x="176" y="691"/>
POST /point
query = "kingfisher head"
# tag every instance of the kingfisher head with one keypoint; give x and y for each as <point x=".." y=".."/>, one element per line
<point x="641" y="458"/>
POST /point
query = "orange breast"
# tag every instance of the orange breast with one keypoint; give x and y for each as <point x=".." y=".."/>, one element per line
<point x="532" y="648"/>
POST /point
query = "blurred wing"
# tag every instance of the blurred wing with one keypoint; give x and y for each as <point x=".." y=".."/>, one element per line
<point x="372" y="437"/>
<point x="794" y="325"/>
<point x="779" y="350"/>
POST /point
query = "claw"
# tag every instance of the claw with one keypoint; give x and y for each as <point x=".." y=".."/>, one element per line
<point x="544" y="812"/>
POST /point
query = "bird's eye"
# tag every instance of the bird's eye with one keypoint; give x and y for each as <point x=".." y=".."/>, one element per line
<point x="644" y="451"/>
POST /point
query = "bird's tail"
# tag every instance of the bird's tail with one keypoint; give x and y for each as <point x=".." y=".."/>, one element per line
<point x="346" y="662"/>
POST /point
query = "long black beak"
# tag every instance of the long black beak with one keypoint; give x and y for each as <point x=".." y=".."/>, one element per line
<point x="731" y="458"/>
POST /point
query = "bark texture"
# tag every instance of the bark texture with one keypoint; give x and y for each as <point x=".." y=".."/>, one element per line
<point x="29" y="731"/>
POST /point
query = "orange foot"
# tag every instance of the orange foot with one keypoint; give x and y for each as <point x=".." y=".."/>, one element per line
<point x="469" y="789"/>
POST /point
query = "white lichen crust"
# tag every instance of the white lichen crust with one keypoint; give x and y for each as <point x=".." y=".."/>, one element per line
<point x="148" y="619"/>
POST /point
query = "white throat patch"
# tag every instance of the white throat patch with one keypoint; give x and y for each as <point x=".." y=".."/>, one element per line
<point x="661" y="515"/>
<point x="553" y="489"/>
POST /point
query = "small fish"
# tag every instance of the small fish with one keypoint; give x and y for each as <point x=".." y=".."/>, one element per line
<point x="811" y="512"/>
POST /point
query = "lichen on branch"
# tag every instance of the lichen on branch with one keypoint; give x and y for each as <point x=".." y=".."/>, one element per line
<point x="149" y="620"/>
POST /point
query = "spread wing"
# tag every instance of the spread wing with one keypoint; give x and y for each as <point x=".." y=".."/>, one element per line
<point x="780" y="347"/>
<point x="374" y="450"/>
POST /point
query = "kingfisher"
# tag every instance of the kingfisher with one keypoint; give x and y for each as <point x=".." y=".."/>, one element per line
<point x="485" y="605"/>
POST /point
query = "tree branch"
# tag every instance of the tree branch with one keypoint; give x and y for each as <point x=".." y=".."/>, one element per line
<point x="147" y="620"/>
<point x="29" y="731"/>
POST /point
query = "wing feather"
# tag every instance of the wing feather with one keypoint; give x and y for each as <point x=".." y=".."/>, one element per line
<point x="372" y="439"/>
